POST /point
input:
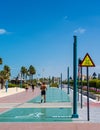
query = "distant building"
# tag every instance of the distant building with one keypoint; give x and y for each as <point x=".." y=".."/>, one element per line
<point x="56" y="79"/>
<point x="99" y="76"/>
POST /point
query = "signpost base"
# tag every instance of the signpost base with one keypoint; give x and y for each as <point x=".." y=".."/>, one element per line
<point x="75" y="116"/>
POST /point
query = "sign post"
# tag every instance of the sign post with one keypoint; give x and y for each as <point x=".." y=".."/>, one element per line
<point x="87" y="62"/>
<point x="80" y="77"/>
<point x="49" y="81"/>
<point x="68" y="79"/>
<point x="61" y="81"/>
<point x="88" y="106"/>
<point x="75" y="115"/>
<point x="6" y="85"/>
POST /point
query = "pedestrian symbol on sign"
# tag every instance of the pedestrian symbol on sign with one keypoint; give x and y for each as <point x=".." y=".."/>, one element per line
<point x="87" y="61"/>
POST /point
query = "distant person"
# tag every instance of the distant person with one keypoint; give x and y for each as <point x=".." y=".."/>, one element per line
<point x="43" y="92"/>
<point x="26" y="87"/>
<point x="33" y="87"/>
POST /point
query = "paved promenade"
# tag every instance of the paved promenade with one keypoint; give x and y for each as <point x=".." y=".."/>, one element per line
<point x="94" y="107"/>
<point x="77" y="124"/>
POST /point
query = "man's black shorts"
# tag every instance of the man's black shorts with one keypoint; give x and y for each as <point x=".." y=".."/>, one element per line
<point x="43" y="92"/>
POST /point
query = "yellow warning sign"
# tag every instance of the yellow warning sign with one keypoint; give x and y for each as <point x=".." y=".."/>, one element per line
<point x="87" y="61"/>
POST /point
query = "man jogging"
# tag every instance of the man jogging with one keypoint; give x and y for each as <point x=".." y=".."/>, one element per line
<point x="43" y="92"/>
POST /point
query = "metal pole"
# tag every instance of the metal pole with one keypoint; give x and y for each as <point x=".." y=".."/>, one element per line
<point x="21" y="83"/>
<point x="88" y="115"/>
<point x="80" y="76"/>
<point x="75" y="115"/>
<point x="81" y="90"/>
<point x="6" y="85"/>
<point x="68" y="79"/>
<point x="78" y="81"/>
<point x="61" y="81"/>
<point x="49" y="81"/>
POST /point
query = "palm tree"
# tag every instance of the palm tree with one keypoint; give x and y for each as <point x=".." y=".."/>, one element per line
<point x="4" y="75"/>
<point x="7" y="71"/>
<point x="0" y="61"/>
<point x="23" y="72"/>
<point x="31" y="71"/>
<point x="2" y="78"/>
<point x="26" y="73"/>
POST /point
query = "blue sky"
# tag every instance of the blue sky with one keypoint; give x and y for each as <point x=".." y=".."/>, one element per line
<point x="40" y="33"/>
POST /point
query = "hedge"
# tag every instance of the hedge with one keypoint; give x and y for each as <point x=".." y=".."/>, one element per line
<point x="10" y="85"/>
<point x="92" y="83"/>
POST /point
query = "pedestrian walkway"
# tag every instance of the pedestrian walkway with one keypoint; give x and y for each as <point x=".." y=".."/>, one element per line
<point x="56" y="99"/>
<point x="57" y="108"/>
<point x="32" y="99"/>
<point x="10" y="91"/>
<point x="94" y="108"/>
<point x="19" y="98"/>
<point x="53" y="95"/>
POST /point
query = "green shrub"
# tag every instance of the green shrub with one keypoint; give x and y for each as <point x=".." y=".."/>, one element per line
<point x="98" y="84"/>
<point x="71" y="82"/>
<point x="54" y="85"/>
<point x="84" y="83"/>
<point x="10" y="85"/>
<point x="92" y="83"/>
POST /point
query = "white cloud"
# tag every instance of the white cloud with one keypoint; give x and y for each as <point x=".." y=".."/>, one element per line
<point x="2" y="31"/>
<point x="80" y="30"/>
